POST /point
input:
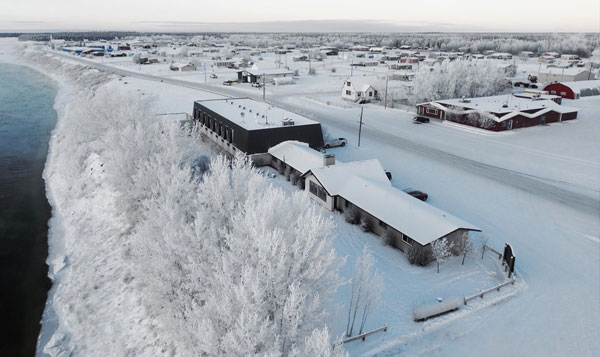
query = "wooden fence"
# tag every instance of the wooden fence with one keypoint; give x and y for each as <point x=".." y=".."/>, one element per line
<point x="482" y="293"/>
<point x="364" y="335"/>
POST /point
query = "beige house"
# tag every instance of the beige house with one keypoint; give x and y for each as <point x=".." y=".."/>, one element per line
<point x="550" y="75"/>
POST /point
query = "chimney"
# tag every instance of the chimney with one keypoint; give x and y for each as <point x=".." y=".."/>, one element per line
<point x="328" y="159"/>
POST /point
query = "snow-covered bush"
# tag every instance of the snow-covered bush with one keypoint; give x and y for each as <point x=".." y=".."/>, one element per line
<point x="366" y="225"/>
<point x="440" y="250"/>
<point x="389" y="238"/>
<point x="417" y="256"/>
<point x="352" y="215"/>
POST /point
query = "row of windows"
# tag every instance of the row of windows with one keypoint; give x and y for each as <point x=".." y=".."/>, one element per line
<point x="317" y="191"/>
<point x="211" y="123"/>
<point x="427" y="110"/>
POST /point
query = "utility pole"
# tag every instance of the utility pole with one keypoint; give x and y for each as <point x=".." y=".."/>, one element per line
<point x="360" y="124"/>
<point x="386" y="87"/>
<point x="204" y="64"/>
<point x="263" y="87"/>
<point x="309" y="69"/>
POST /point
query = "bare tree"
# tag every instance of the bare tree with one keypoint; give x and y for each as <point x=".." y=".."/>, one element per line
<point x="367" y="286"/>
<point x="485" y="237"/>
<point x="463" y="246"/>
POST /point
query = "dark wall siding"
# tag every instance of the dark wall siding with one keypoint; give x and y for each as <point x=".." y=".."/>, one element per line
<point x="259" y="141"/>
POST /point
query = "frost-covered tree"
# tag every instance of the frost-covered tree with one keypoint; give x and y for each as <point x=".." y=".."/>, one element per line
<point x="440" y="250"/>
<point x="188" y="257"/>
<point x="463" y="246"/>
<point x="367" y="286"/>
<point x="458" y="79"/>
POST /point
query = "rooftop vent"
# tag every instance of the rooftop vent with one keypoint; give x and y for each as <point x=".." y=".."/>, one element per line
<point x="287" y="121"/>
<point x="328" y="159"/>
<point x="505" y="105"/>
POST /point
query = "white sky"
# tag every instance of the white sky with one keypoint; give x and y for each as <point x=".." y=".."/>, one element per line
<point x="190" y="15"/>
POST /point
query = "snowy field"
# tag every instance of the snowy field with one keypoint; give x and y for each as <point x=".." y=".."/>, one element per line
<point x="536" y="188"/>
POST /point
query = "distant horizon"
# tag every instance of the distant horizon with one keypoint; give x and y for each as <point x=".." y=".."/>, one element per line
<point x="511" y="16"/>
<point x="292" y="26"/>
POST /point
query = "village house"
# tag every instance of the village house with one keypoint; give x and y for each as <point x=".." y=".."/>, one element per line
<point x="400" y="66"/>
<point x="362" y="190"/>
<point x="252" y="127"/>
<point x="256" y="75"/>
<point x="549" y="75"/>
<point x="497" y="113"/>
<point x="574" y="90"/>
<point x="359" y="89"/>
<point x="182" y="67"/>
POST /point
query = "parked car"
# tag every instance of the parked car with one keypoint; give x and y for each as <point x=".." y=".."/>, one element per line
<point x="256" y="85"/>
<point x="213" y="76"/>
<point x="416" y="194"/>
<point x="420" y="120"/>
<point x="228" y="83"/>
<point x="336" y="142"/>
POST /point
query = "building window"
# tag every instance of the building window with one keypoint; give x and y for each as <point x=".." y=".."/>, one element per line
<point x="370" y="94"/>
<point x="431" y="111"/>
<point x="348" y="84"/>
<point x="553" y="92"/>
<point x="407" y="240"/>
<point x="563" y="93"/>
<point x="348" y="92"/>
<point x="318" y="191"/>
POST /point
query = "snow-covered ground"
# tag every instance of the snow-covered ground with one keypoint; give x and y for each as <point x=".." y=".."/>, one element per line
<point x="537" y="188"/>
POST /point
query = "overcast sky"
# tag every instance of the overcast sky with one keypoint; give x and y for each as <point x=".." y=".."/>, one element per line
<point x="301" y="15"/>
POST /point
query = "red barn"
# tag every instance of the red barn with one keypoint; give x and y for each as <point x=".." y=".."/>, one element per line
<point x="574" y="90"/>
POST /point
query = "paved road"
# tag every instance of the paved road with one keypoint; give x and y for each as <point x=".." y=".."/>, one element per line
<point x="585" y="199"/>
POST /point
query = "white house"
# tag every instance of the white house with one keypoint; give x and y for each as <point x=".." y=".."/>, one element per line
<point x="359" y="89"/>
<point x="182" y="67"/>
<point x="363" y="189"/>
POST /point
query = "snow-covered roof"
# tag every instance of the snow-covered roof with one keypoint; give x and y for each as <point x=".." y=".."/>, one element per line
<point x="298" y="155"/>
<point x="268" y="72"/>
<point x="365" y="184"/>
<point x="334" y="177"/>
<point x="256" y="115"/>
<point x="361" y="84"/>
<point x="578" y="86"/>
<point x="494" y="106"/>
<point x="560" y="71"/>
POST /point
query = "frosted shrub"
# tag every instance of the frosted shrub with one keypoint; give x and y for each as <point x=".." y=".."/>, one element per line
<point x="352" y="216"/>
<point x="417" y="256"/>
<point x="366" y="225"/>
<point x="389" y="238"/>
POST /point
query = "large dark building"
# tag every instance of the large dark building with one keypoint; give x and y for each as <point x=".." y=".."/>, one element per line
<point x="252" y="126"/>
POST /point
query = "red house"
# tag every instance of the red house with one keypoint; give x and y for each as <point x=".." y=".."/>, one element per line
<point x="574" y="90"/>
<point x="497" y="113"/>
